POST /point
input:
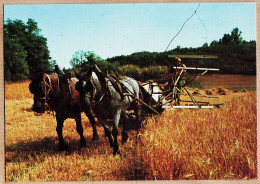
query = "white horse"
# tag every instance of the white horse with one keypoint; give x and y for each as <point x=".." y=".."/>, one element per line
<point x="153" y="94"/>
<point x="109" y="98"/>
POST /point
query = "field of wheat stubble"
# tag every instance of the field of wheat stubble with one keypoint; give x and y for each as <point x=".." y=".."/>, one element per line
<point x="193" y="144"/>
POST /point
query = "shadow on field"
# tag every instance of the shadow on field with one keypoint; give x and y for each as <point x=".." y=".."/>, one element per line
<point x="132" y="124"/>
<point x="49" y="146"/>
<point x="29" y="109"/>
<point x="23" y="150"/>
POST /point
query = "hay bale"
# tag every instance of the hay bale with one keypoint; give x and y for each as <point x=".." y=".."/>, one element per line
<point x="222" y="91"/>
<point x="208" y="92"/>
<point x="196" y="91"/>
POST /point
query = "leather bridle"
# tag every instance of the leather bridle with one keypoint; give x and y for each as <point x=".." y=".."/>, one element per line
<point x="47" y="89"/>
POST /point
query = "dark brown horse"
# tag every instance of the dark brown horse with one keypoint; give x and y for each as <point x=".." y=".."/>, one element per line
<point x="58" y="93"/>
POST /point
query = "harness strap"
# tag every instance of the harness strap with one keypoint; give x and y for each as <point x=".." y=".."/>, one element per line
<point x="105" y="92"/>
<point x="119" y="86"/>
<point x="51" y="102"/>
<point x="48" y="79"/>
<point x="101" y="79"/>
<point x="105" y="89"/>
<point x="45" y="88"/>
<point x="56" y="92"/>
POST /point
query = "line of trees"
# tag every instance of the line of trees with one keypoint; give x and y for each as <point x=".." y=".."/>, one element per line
<point x="235" y="55"/>
<point x="26" y="53"/>
<point x="25" y="50"/>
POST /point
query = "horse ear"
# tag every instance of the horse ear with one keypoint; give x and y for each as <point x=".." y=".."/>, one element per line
<point x="77" y="74"/>
<point x="40" y="76"/>
<point x="68" y="75"/>
<point x="36" y="76"/>
<point x="96" y="69"/>
<point x="85" y="76"/>
<point x="32" y="77"/>
<point x="89" y="74"/>
<point x="58" y="70"/>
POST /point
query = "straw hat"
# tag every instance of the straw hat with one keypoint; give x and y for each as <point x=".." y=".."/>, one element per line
<point x="177" y="59"/>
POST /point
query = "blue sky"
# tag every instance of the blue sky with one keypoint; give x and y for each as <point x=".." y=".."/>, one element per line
<point x="121" y="29"/>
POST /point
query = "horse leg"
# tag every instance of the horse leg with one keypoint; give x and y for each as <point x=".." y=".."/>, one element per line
<point x="115" y="131"/>
<point x="137" y="111"/>
<point x="93" y="123"/>
<point x="124" y="132"/>
<point x="80" y="130"/>
<point x="62" y="144"/>
<point x="108" y="134"/>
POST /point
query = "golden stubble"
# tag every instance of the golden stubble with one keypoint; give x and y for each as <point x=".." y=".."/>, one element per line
<point x="178" y="144"/>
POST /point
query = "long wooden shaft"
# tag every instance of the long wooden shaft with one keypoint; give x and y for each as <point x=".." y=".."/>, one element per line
<point x="195" y="68"/>
<point x="194" y="78"/>
<point x="194" y="101"/>
<point x="203" y="94"/>
<point x="187" y="107"/>
<point x="128" y="94"/>
<point x="194" y="56"/>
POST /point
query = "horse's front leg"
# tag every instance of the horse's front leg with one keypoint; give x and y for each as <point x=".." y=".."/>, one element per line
<point x="115" y="131"/>
<point x="92" y="121"/>
<point x="62" y="144"/>
<point x="80" y="130"/>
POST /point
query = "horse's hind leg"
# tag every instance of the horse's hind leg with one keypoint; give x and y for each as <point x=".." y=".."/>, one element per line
<point x="80" y="130"/>
<point x="108" y="134"/>
<point x="62" y="144"/>
<point x="138" y="120"/>
<point x="138" y="114"/>
<point x="124" y="132"/>
<point x="115" y="131"/>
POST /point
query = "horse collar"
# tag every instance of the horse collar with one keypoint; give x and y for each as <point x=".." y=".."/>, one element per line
<point x="48" y="79"/>
<point x="48" y="100"/>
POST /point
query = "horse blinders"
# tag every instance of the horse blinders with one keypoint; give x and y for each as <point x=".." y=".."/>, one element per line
<point x="85" y="86"/>
<point x="40" y="89"/>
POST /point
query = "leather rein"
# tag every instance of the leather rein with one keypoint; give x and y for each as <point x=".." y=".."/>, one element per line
<point x="105" y="92"/>
<point x="48" y="102"/>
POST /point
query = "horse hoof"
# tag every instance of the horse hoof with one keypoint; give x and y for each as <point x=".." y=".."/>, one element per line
<point x="83" y="144"/>
<point x="95" y="138"/>
<point x="124" y="138"/>
<point x="116" y="152"/>
<point x="63" y="147"/>
<point x="111" y="145"/>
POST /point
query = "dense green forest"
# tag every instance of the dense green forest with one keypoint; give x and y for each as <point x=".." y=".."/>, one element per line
<point x="26" y="53"/>
<point x="25" y="50"/>
<point x="235" y="55"/>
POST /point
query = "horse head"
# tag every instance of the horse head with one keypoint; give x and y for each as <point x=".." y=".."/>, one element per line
<point x="40" y="87"/>
<point x="85" y="86"/>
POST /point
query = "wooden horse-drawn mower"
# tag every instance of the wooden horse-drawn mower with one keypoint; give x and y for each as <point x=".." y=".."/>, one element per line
<point x="167" y="93"/>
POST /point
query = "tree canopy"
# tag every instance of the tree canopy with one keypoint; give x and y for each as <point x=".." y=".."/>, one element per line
<point x="25" y="50"/>
<point x="80" y="58"/>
